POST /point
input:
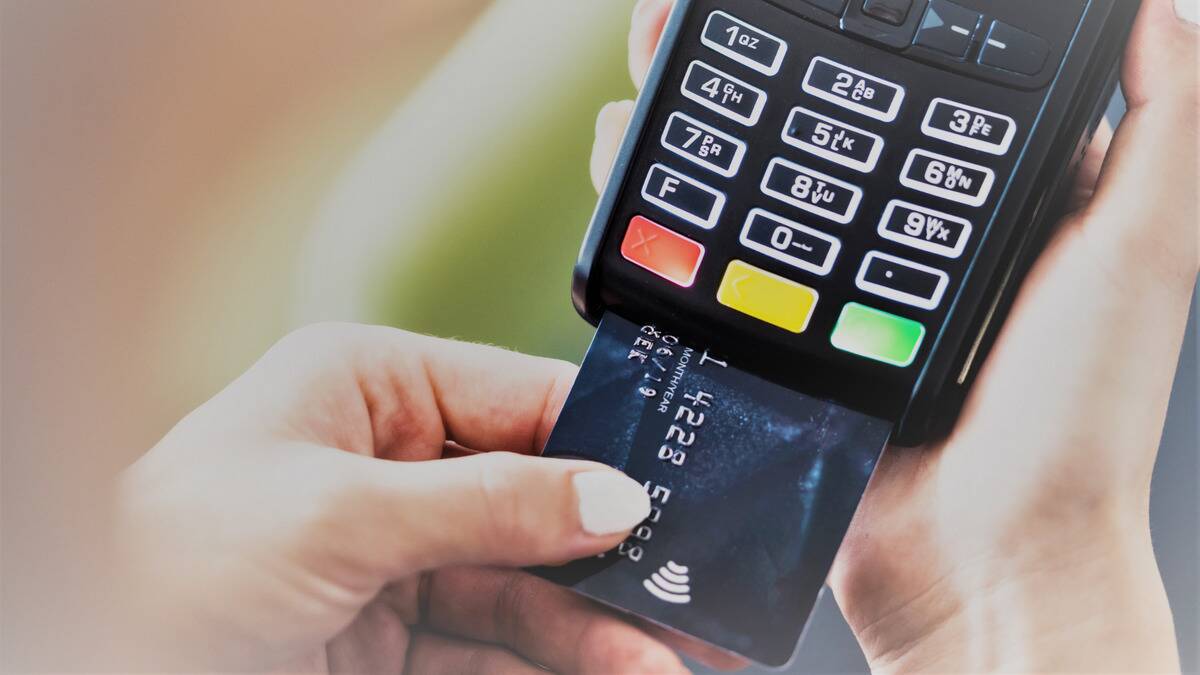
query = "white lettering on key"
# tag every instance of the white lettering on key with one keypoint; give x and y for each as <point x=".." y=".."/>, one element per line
<point x="668" y="186"/>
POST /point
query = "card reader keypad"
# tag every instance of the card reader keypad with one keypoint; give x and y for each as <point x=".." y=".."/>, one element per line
<point x="856" y="181"/>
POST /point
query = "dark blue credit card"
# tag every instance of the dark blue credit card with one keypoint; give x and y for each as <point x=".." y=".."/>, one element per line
<point x="752" y="485"/>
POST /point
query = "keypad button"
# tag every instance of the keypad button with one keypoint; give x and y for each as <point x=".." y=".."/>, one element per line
<point x="902" y="280"/>
<point x="811" y="191"/>
<point x="767" y="297"/>
<point x="925" y="229"/>
<point x="702" y="144"/>
<point x="873" y="334"/>
<point x="832" y="6"/>
<point x="744" y="43"/>
<point x="833" y="140"/>
<point x="969" y="127"/>
<point x="894" y="12"/>
<point x="723" y="94"/>
<point x="948" y="28"/>
<point x="947" y="178"/>
<point x="853" y="89"/>
<point x="1013" y="49"/>
<point x="685" y="197"/>
<point x="656" y="249"/>
<point x="790" y="242"/>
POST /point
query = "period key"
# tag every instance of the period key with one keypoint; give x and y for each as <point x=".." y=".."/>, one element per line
<point x="835" y="141"/>
<point x="738" y="40"/>
<point x="853" y="89"/>
<point x="724" y="94"/>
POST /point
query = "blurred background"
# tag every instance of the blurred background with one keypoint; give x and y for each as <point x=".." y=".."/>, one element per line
<point x="184" y="182"/>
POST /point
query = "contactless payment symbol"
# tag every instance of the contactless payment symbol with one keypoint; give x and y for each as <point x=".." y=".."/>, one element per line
<point x="670" y="584"/>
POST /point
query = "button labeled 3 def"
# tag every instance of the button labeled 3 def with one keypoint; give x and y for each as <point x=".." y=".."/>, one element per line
<point x="969" y="127"/>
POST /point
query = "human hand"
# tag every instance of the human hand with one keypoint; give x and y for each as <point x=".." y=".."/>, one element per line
<point x="1021" y="542"/>
<point x="269" y="530"/>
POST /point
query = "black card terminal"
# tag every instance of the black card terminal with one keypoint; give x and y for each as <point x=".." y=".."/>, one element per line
<point x="812" y="233"/>
<point x="845" y="194"/>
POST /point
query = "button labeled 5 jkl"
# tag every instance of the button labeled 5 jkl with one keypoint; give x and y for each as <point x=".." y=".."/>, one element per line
<point x="835" y="141"/>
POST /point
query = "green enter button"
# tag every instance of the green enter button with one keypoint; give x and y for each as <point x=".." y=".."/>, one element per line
<point x="878" y="335"/>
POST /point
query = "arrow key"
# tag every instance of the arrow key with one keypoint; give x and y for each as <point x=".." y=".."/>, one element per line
<point x="948" y="28"/>
<point x="767" y="297"/>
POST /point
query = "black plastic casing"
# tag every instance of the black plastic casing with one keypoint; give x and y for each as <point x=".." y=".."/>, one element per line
<point x="1056" y="111"/>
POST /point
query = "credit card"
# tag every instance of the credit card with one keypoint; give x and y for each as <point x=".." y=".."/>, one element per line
<point x="752" y="487"/>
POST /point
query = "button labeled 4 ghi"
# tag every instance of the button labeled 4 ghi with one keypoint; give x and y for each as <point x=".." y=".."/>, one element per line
<point x="685" y="197"/>
<point x="946" y="177"/>
<point x="767" y="297"/>
<point x="699" y="143"/>
<point x="833" y="140"/>
<point x="853" y="89"/>
<point x="901" y="280"/>
<point x="924" y="229"/>
<point x="724" y="94"/>
<point x="970" y="127"/>
<point x="790" y="242"/>
<point x="811" y="191"/>
<point x="744" y="43"/>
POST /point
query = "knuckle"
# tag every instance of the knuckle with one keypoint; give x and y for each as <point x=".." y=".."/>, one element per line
<point x="500" y="497"/>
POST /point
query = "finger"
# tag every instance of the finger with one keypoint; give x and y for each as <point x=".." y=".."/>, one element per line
<point x="491" y="508"/>
<point x="415" y="392"/>
<point x="432" y="654"/>
<point x="610" y="127"/>
<point x="375" y="642"/>
<point x="1145" y="204"/>
<point x="649" y="18"/>
<point x="543" y="622"/>
<point x="1089" y="167"/>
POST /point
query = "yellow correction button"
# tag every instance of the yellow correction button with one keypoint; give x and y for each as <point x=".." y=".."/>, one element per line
<point x="767" y="297"/>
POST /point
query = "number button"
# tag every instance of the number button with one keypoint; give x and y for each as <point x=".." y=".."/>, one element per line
<point x="724" y="94"/>
<point x="685" y="197"/>
<point x="853" y="89"/>
<point x="697" y="142"/>
<point x="833" y="140"/>
<point x="790" y="242"/>
<point x="811" y="191"/>
<point x="969" y="127"/>
<point x="947" y="177"/>
<point x="924" y="229"/>
<point x="744" y="43"/>
<point x="901" y="280"/>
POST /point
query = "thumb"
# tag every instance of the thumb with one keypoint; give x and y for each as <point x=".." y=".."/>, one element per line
<point x="497" y="509"/>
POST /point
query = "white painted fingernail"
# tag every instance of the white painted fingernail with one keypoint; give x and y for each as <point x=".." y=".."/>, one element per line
<point x="609" y="502"/>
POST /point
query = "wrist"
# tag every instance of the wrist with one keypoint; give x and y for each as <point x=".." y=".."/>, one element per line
<point x="1092" y="605"/>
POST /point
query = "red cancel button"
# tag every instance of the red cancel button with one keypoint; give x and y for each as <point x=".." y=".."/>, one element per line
<point x="653" y="247"/>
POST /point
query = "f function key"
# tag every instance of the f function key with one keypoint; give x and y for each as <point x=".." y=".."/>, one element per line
<point x="684" y="197"/>
<point x="744" y="43"/>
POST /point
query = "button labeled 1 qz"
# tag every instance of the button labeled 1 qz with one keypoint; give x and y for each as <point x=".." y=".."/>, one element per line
<point x="744" y="43"/>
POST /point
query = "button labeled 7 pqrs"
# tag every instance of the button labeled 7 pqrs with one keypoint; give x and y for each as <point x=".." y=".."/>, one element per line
<point x="701" y="144"/>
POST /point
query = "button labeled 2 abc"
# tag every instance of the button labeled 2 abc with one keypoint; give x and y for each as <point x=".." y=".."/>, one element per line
<point x="684" y="197"/>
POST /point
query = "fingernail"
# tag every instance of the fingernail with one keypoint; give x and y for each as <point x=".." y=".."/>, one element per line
<point x="609" y="502"/>
<point x="1188" y="11"/>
